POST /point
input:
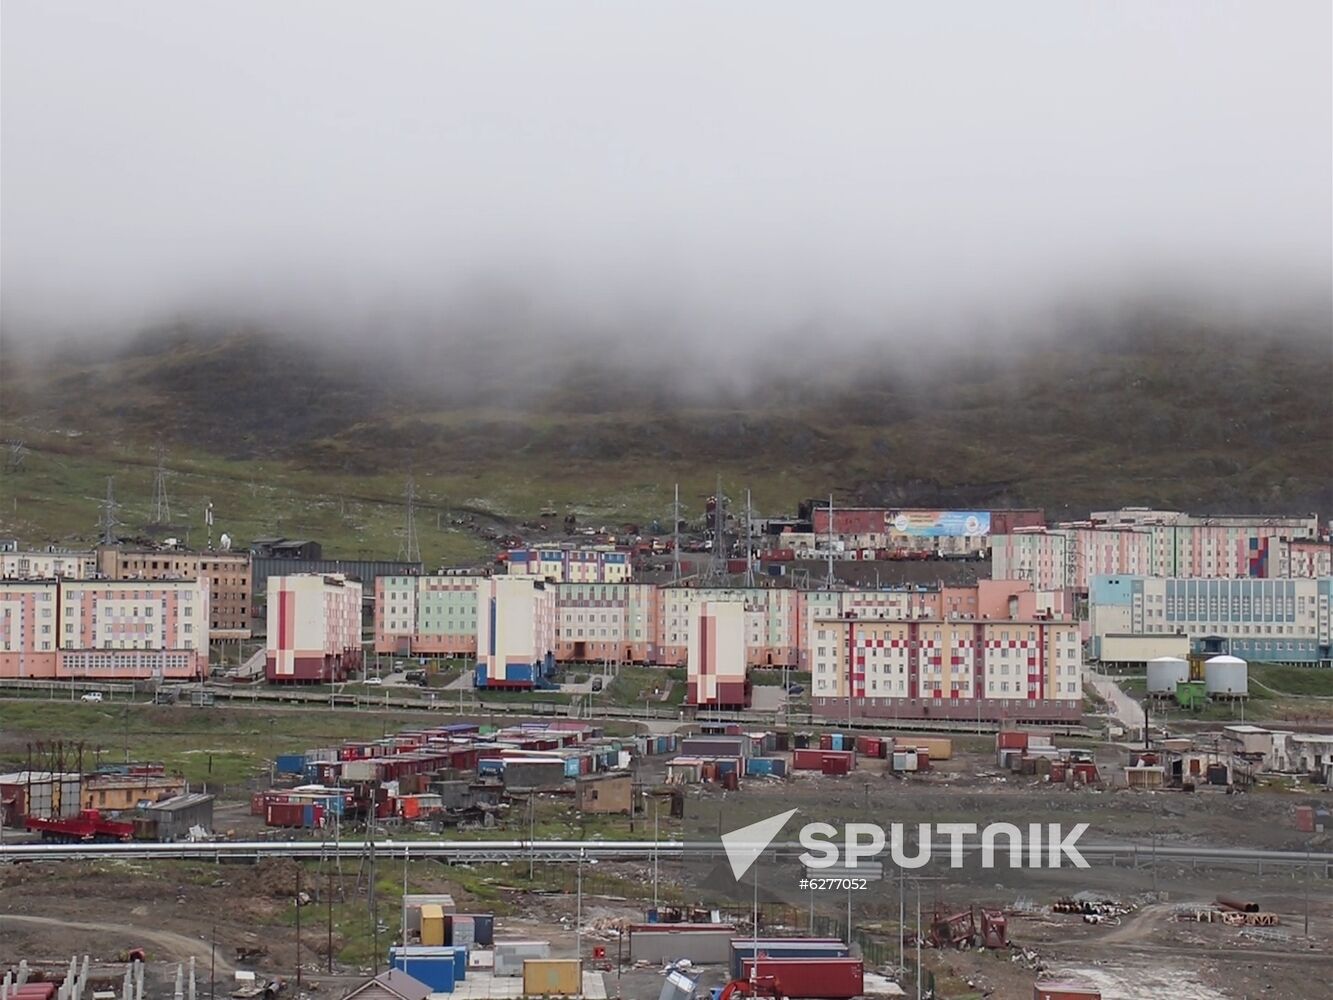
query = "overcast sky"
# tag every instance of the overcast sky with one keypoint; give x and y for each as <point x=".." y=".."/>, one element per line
<point x="705" y="169"/>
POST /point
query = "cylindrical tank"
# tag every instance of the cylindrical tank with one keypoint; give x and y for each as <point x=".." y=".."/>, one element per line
<point x="1165" y="672"/>
<point x="1226" y="677"/>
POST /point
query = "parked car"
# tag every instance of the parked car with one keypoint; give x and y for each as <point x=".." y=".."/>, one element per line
<point x="373" y="680"/>
<point x="597" y="684"/>
<point x="92" y="696"/>
<point x="795" y="688"/>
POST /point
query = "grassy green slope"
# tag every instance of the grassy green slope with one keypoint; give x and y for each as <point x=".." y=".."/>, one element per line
<point x="285" y="438"/>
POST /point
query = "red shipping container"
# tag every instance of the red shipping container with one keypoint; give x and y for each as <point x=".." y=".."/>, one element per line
<point x="807" y="760"/>
<point x="1011" y="739"/>
<point x="1305" y="819"/>
<point x="257" y="804"/>
<point x="813" y="978"/>
<point x="836" y="763"/>
<point x="826" y="741"/>
<point x="922" y="759"/>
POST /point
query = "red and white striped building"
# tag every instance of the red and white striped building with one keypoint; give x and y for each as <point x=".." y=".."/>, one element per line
<point x="314" y="628"/>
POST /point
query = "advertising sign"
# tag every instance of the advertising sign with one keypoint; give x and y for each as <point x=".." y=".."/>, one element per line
<point x="938" y="523"/>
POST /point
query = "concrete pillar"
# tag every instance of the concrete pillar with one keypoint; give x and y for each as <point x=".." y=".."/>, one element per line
<point x="179" y="991"/>
<point x="4" y="987"/>
<point x="138" y="980"/>
<point x="23" y="973"/>
<point x="191" y="977"/>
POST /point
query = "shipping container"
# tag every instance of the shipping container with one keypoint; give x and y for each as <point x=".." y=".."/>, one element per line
<point x="291" y="763"/>
<point x="743" y="948"/>
<point x="940" y="747"/>
<point x="433" y="926"/>
<point x="701" y="943"/>
<point x="836" y="764"/>
<point x="810" y="978"/>
<point x="510" y="955"/>
<point x="438" y="970"/>
<point x="1011" y="739"/>
<point x="554" y="977"/>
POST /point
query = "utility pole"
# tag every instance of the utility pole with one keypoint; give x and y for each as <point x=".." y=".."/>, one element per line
<point x="161" y="505"/>
<point x="298" y="926"/>
<point x="328" y="908"/>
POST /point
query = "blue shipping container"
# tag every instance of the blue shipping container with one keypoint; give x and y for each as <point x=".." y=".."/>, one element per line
<point x="291" y="763"/>
<point x="436" y="971"/>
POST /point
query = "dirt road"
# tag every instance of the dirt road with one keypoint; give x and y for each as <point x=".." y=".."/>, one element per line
<point x="175" y="946"/>
<point x="1123" y="707"/>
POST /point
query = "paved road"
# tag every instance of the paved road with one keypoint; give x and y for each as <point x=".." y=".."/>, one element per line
<point x="1123" y="707"/>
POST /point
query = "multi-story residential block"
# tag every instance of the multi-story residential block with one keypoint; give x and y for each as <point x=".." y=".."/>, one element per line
<point x="947" y="668"/>
<point x="427" y="615"/>
<point x="715" y="660"/>
<point x="1155" y="543"/>
<point x="607" y="621"/>
<point x="227" y="573"/>
<point x="516" y="618"/>
<point x="51" y="564"/>
<point x="572" y="564"/>
<point x="314" y="628"/>
<point x="104" y="629"/>
<point x="1281" y="620"/>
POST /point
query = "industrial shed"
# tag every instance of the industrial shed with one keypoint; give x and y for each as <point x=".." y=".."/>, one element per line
<point x="173" y="819"/>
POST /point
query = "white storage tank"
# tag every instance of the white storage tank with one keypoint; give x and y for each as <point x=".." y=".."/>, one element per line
<point x="1165" y="672"/>
<point x="1226" y="677"/>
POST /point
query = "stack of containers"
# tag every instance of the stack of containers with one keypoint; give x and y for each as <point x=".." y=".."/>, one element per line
<point x="794" y="947"/>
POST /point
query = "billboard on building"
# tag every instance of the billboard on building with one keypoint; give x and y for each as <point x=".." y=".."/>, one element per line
<point x="938" y="523"/>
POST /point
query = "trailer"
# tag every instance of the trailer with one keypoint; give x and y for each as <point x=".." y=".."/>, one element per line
<point x="88" y="826"/>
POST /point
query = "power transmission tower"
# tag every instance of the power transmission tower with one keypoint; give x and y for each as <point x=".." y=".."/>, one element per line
<point x="161" y="505"/>
<point x="675" y="536"/>
<point x="830" y="581"/>
<point x="749" y="541"/>
<point x="17" y="453"/>
<point x="107" y="522"/>
<point x="410" y="551"/>
<point x="717" y="564"/>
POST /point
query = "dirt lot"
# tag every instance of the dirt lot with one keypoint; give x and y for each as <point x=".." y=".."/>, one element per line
<point x="177" y="910"/>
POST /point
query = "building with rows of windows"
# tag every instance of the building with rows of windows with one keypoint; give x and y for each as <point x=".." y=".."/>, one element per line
<point x="1274" y="621"/>
<point x="104" y="629"/>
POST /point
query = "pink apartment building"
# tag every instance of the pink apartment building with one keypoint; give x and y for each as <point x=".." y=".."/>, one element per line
<point x="314" y="628"/>
<point x="104" y="629"/>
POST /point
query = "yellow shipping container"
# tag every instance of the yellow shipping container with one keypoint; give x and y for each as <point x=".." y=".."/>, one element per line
<point x="556" y="977"/>
<point x="939" y="747"/>
<point x="432" y="925"/>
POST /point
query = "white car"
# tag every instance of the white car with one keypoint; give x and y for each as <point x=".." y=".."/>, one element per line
<point x="372" y="680"/>
<point x="92" y="696"/>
